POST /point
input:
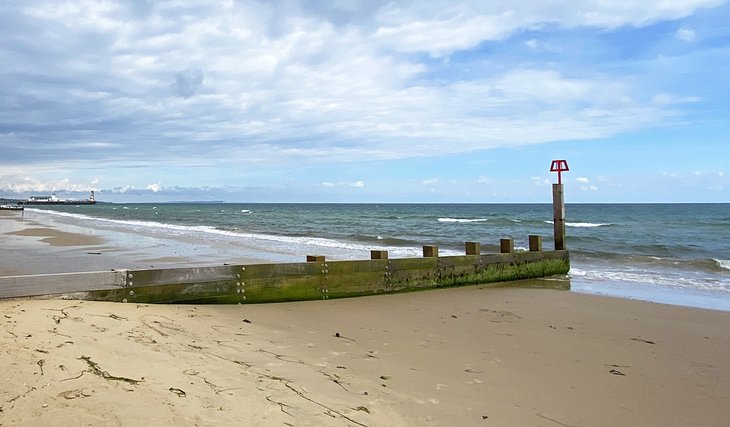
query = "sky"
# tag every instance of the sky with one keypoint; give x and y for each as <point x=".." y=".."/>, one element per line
<point x="438" y="101"/>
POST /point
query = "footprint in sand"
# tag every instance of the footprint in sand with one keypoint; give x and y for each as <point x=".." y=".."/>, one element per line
<point x="500" y="315"/>
<point x="75" y="393"/>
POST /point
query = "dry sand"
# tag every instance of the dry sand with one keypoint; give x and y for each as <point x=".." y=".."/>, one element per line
<point x="467" y="356"/>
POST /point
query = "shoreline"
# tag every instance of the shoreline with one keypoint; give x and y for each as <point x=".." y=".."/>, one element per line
<point x="38" y="244"/>
<point x="468" y="356"/>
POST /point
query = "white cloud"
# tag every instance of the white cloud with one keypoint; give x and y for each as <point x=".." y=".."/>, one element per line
<point x="125" y="189"/>
<point x="588" y="188"/>
<point x="686" y="34"/>
<point x="154" y="187"/>
<point x="582" y="180"/>
<point x="662" y="99"/>
<point x="484" y="180"/>
<point x="539" y="181"/>
<point x="443" y="36"/>
<point x="441" y="28"/>
<point x="356" y="184"/>
<point x="19" y="185"/>
<point x="430" y="181"/>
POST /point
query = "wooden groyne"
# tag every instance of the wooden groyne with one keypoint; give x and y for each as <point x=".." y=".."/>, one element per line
<point x="317" y="278"/>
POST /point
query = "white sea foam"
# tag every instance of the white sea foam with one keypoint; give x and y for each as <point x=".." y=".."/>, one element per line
<point x="462" y="220"/>
<point x="723" y="263"/>
<point x="245" y="211"/>
<point x="663" y="280"/>
<point x="582" y="224"/>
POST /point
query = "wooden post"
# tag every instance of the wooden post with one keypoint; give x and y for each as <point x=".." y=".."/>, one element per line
<point x="430" y="251"/>
<point x="378" y="254"/>
<point x="506" y="246"/>
<point x="535" y="243"/>
<point x="315" y="258"/>
<point x="559" y="217"/>
<point x="473" y="248"/>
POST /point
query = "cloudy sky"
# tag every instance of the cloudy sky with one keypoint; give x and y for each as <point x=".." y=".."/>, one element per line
<point x="366" y="101"/>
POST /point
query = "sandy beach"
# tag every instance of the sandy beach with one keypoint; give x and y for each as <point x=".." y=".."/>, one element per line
<point x="465" y="356"/>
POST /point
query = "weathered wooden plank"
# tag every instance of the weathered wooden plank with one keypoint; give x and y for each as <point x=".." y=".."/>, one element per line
<point x="49" y="284"/>
<point x="164" y="276"/>
<point x="413" y="273"/>
<point x="281" y="282"/>
<point x="353" y="278"/>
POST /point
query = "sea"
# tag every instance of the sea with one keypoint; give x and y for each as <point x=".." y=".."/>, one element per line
<point x="666" y="253"/>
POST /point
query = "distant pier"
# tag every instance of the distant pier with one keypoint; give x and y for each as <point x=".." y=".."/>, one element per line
<point x="53" y="200"/>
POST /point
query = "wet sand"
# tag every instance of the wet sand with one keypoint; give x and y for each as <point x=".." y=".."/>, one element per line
<point x="467" y="356"/>
<point x="34" y="243"/>
<point x="58" y="238"/>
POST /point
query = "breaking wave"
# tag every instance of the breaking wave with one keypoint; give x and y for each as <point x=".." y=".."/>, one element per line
<point x="582" y="224"/>
<point x="723" y="263"/>
<point x="463" y="220"/>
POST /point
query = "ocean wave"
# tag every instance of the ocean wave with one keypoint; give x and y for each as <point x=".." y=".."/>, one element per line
<point x="462" y="220"/>
<point x="387" y="217"/>
<point x="586" y="224"/>
<point x="381" y="240"/>
<point x="582" y="224"/>
<point x="246" y="211"/>
<point x="724" y="264"/>
<point x="655" y="262"/>
<point x="662" y="279"/>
